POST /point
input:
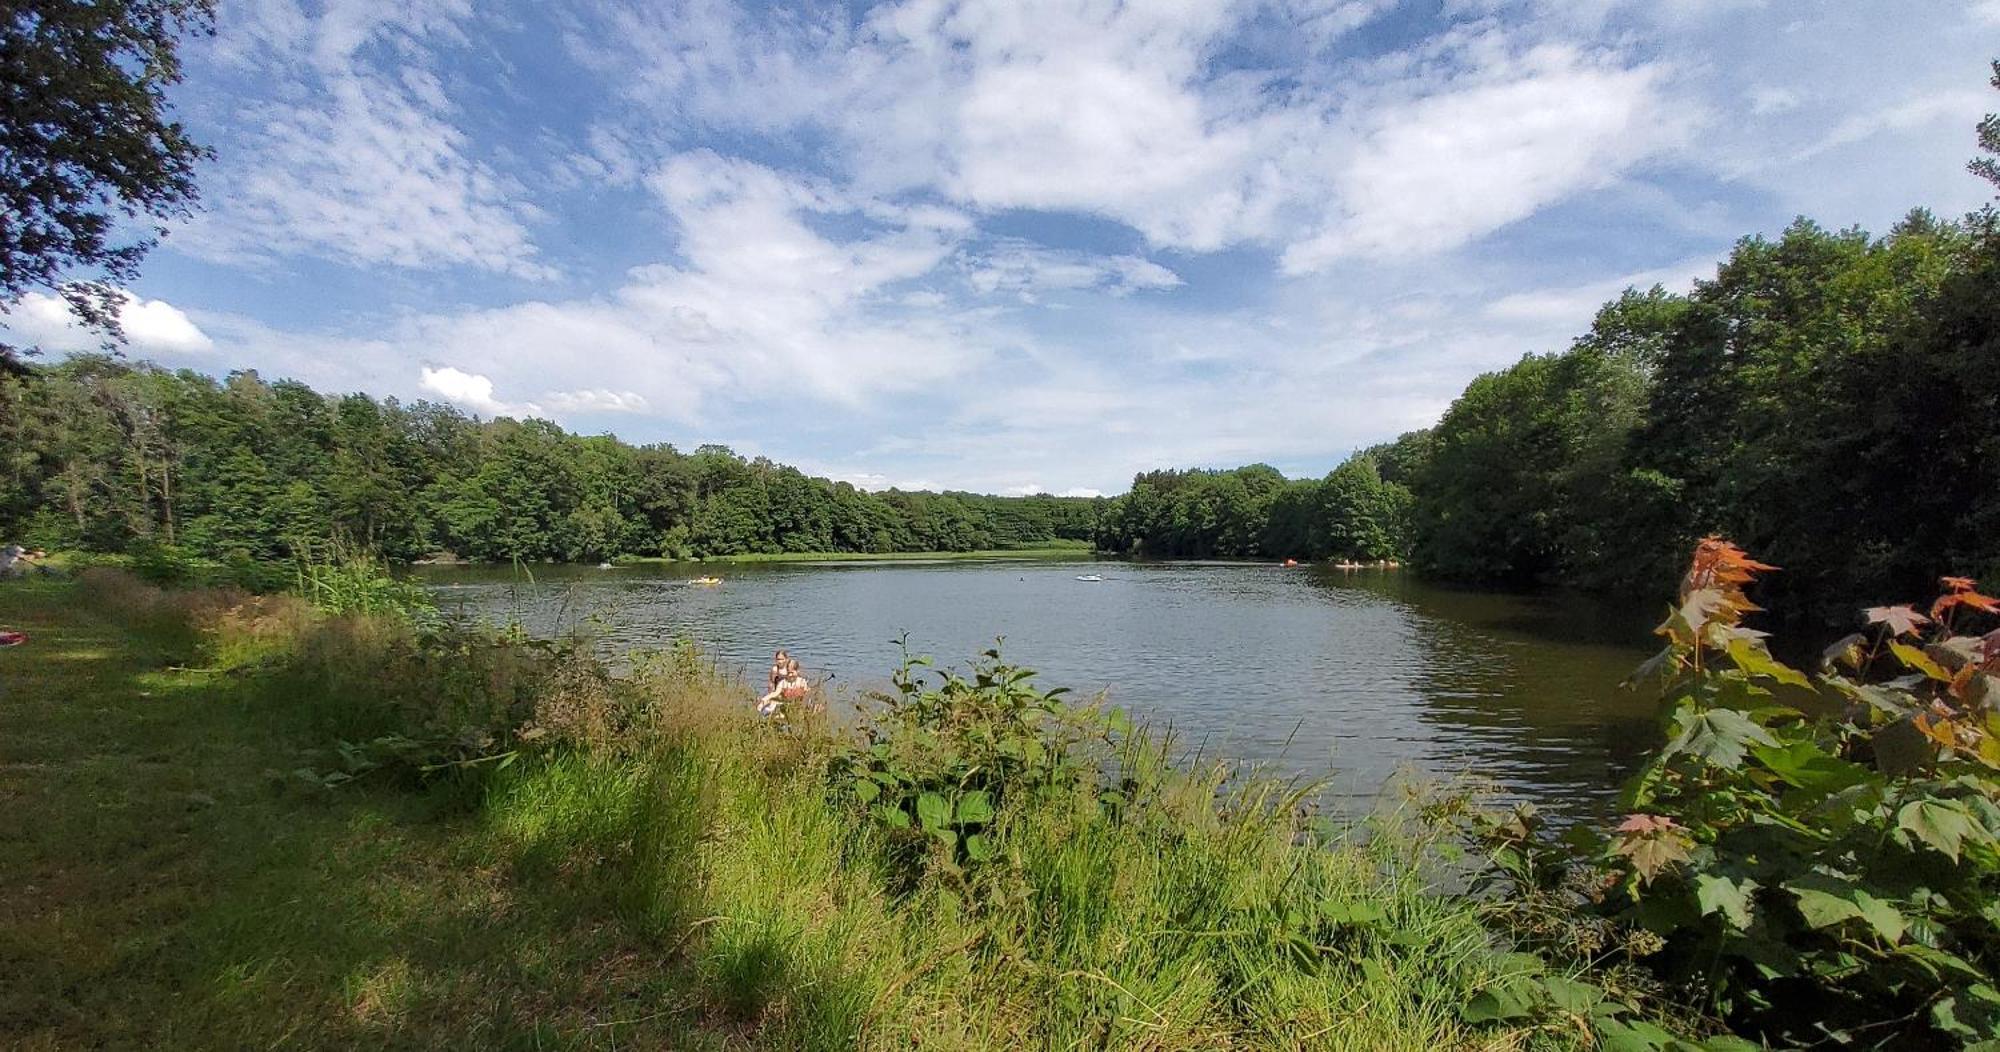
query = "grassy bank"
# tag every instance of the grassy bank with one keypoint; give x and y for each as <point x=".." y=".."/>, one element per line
<point x="234" y="823"/>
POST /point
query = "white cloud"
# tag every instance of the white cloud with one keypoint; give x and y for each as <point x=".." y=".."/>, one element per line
<point x="1987" y="11"/>
<point x="468" y="390"/>
<point x="1963" y="107"/>
<point x="1439" y="171"/>
<point x="598" y="400"/>
<point x="1026" y="270"/>
<point x="916" y="272"/>
<point x="151" y="327"/>
<point x="1573" y="306"/>
<point x="1120" y="110"/>
<point x="355" y="156"/>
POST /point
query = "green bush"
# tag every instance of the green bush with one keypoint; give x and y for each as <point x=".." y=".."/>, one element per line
<point x="947" y="751"/>
<point x="1818" y="862"/>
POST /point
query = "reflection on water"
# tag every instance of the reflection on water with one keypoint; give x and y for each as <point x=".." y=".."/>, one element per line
<point x="1346" y="676"/>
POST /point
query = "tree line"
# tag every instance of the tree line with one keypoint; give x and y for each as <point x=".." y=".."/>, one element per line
<point x="107" y="455"/>
<point x="1829" y="399"/>
<point x="1360" y="511"/>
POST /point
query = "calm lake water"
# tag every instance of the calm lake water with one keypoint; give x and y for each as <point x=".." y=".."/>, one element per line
<point x="1348" y="676"/>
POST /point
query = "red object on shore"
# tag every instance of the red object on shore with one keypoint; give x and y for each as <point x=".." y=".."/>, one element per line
<point x="13" y="639"/>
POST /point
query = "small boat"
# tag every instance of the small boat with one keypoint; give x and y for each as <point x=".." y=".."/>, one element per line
<point x="604" y="566"/>
<point x="1289" y="563"/>
<point x="1089" y="577"/>
<point x="13" y="639"/>
<point x="706" y="582"/>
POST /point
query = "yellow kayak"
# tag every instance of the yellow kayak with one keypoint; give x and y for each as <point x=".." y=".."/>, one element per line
<point x="707" y="582"/>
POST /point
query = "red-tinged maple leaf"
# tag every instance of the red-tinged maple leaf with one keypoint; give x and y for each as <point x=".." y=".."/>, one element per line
<point x="1956" y="584"/>
<point x="1983" y="603"/>
<point x="1902" y="620"/>
<point x="1643" y="824"/>
<point x="1652" y="843"/>
<point x="1989" y="651"/>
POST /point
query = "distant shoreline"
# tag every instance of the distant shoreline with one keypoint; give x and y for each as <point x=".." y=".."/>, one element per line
<point x="823" y="557"/>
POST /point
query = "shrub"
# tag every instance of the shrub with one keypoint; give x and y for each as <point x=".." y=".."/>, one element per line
<point x="946" y="751"/>
<point x="1816" y="861"/>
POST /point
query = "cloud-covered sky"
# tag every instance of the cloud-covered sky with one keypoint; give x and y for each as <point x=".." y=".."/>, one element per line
<point x="1009" y="245"/>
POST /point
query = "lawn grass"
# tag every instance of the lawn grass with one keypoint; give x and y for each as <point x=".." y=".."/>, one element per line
<point x="162" y="891"/>
<point x="172" y="881"/>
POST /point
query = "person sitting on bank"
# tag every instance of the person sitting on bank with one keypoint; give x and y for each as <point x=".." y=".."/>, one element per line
<point x="792" y="687"/>
<point x="779" y="663"/>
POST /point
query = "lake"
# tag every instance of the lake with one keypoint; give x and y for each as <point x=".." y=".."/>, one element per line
<point x="1350" y="676"/>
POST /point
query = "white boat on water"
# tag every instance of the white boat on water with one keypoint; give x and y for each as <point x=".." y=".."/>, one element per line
<point x="1089" y="577"/>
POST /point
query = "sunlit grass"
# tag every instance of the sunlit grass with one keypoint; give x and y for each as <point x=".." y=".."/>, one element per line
<point x="693" y="888"/>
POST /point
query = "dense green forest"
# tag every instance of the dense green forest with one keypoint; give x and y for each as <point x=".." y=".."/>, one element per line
<point x="1829" y="399"/>
<point x="108" y="455"/>
<point x="1361" y="510"/>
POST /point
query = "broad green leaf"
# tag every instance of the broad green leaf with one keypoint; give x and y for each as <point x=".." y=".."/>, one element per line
<point x="1751" y="656"/>
<point x="867" y="790"/>
<point x="1514" y="999"/>
<point x="978" y="848"/>
<point x="1809" y="767"/>
<point x="1572" y="995"/>
<point x="933" y="812"/>
<point x="1939" y="962"/>
<point x="1720" y="737"/>
<point x="1731" y="898"/>
<point x="1945" y="1016"/>
<point x="1823" y="901"/>
<point x="1631" y="1035"/>
<point x="1918" y="661"/>
<point x="894" y="816"/>
<point x="975" y="807"/>
<point x="1943" y="824"/>
<point x="1881" y="915"/>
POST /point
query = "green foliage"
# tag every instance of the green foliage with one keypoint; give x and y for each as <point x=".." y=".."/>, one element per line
<point x="1821" y="378"/>
<point x="947" y="752"/>
<point x="1817" y="859"/>
<point x="1351" y="514"/>
<point x="1988" y="168"/>
<point x="341" y="581"/>
<point x="106" y="456"/>
<point x="90" y="145"/>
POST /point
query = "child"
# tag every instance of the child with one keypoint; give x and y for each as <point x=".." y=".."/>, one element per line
<point x="789" y="687"/>
<point x="779" y="662"/>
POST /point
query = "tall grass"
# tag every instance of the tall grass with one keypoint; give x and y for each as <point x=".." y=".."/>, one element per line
<point x="1212" y="909"/>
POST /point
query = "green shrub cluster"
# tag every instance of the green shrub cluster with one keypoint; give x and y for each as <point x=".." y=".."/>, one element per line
<point x="1815" y="860"/>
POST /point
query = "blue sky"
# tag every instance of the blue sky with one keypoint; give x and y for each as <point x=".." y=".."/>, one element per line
<point x="1009" y="245"/>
